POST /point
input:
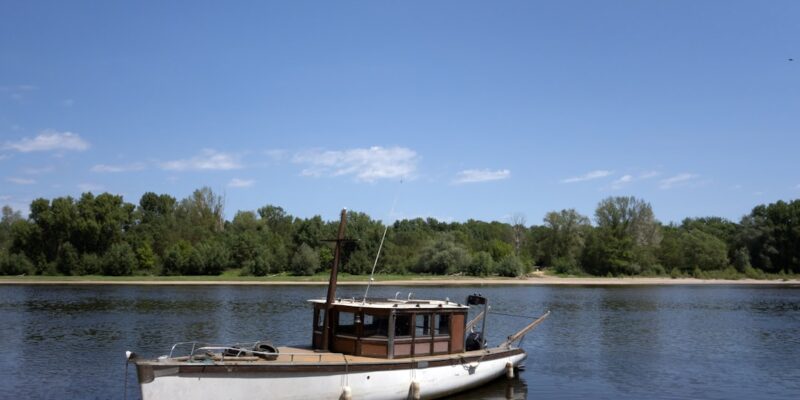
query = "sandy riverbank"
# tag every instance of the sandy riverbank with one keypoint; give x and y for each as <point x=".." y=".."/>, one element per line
<point x="456" y="281"/>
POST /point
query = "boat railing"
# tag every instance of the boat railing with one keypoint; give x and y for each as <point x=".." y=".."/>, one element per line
<point x="243" y="351"/>
<point x="182" y="344"/>
<point x="196" y="344"/>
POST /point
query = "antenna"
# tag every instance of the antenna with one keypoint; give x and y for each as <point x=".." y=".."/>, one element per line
<point x="377" y="256"/>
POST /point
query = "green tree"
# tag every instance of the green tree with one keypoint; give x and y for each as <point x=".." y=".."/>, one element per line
<point x="481" y="264"/>
<point x="9" y="218"/>
<point x="181" y="258"/>
<point x="15" y="264"/>
<point x="564" y="238"/>
<point x="119" y="260"/>
<point x="442" y="256"/>
<point x="626" y="239"/>
<point x="213" y="257"/>
<point x="510" y="266"/>
<point x="305" y="261"/>
<point x="772" y="233"/>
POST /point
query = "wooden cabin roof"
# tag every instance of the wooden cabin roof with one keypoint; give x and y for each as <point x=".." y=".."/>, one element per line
<point x="395" y="304"/>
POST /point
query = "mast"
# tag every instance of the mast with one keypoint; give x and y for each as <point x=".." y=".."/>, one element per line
<point x="332" y="283"/>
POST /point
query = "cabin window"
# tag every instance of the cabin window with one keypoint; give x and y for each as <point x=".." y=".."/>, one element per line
<point x="442" y="325"/>
<point x="346" y="323"/>
<point x="402" y="325"/>
<point x="423" y="325"/>
<point x="376" y="325"/>
<point x="320" y="318"/>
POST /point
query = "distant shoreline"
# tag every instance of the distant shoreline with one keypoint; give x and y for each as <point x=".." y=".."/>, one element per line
<point x="531" y="281"/>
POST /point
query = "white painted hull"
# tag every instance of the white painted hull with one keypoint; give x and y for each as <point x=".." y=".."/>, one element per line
<point x="434" y="382"/>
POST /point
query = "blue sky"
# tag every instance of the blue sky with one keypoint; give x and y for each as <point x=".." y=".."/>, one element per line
<point x="457" y="109"/>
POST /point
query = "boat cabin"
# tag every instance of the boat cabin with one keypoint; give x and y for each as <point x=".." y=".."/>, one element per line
<point x="391" y="328"/>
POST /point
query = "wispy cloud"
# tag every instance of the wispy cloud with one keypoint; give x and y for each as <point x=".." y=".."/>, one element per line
<point x="677" y="180"/>
<point x="627" y="179"/>
<point x="597" y="174"/>
<point x="118" y="168"/>
<point x="17" y="92"/>
<point x="622" y="181"/>
<point x="366" y="165"/>
<point x="21" y="181"/>
<point x="90" y="187"/>
<point x="207" y="160"/>
<point x="49" y="140"/>
<point x="240" y="183"/>
<point x="38" y="171"/>
<point x="481" y="175"/>
<point x="276" y="154"/>
<point x="68" y="102"/>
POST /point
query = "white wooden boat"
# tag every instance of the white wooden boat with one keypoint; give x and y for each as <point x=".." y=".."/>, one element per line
<point x="360" y="349"/>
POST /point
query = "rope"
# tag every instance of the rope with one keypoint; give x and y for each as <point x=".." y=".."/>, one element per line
<point x="125" y="391"/>
<point x="377" y="256"/>
<point x="514" y="315"/>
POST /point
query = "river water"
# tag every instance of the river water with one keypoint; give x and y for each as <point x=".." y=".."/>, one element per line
<point x="633" y="342"/>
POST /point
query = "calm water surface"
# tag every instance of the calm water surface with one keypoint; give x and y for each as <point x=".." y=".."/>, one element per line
<point x="676" y="342"/>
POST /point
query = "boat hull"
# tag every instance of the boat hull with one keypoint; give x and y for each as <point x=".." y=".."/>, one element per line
<point x="365" y="380"/>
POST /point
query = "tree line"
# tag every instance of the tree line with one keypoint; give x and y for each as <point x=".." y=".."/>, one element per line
<point x="104" y="235"/>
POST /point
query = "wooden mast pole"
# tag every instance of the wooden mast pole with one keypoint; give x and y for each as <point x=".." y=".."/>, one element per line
<point x="326" y="327"/>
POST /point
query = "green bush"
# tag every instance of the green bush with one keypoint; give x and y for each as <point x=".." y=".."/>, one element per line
<point x="91" y="264"/>
<point x="442" y="257"/>
<point x="179" y="259"/>
<point x="146" y="258"/>
<point x="510" y="266"/>
<point x="15" y="264"/>
<point x="213" y="258"/>
<point x="753" y="273"/>
<point x="68" y="261"/>
<point x="358" y="263"/>
<point x="119" y="260"/>
<point x="305" y="261"/>
<point x="481" y="264"/>
<point x="566" y="265"/>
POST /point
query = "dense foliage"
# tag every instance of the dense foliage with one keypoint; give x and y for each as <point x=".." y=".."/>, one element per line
<point x="163" y="236"/>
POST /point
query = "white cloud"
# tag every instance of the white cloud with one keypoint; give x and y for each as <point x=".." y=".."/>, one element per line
<point x="207" y="160"/>
<point x="38" y="171"/>
<point x="21" y="181"/>
<point x="90" y="187"/>
<point x="366" y="165"/>
<point x="648" y="175"/>
<point x="5" y="198"/>
<point x="676" y="180"/>
<point x="118" y="168"/>
<point x="622" y="181"/>
<point x="240" y="183"/>
<point x="276" y="154"/>
<point x="600" y="173"/>
<point x="481" y="175"/>
<point x="17" y="92"/>
<point x="628" y="179"/>
<point x="49" y="140"/>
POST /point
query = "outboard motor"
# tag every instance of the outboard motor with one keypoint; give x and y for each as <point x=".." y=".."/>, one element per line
<point x="475" y="341"/>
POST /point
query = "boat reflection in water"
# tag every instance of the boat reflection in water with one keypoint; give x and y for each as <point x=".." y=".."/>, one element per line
<point x="500" y="389"/>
